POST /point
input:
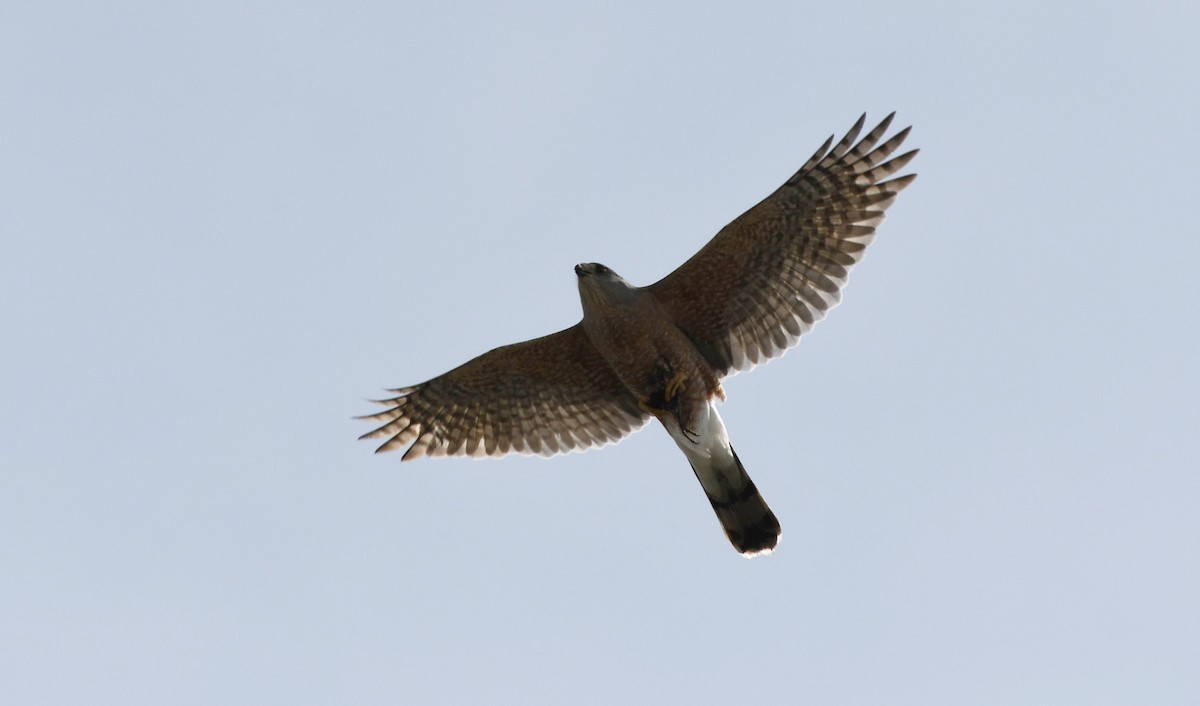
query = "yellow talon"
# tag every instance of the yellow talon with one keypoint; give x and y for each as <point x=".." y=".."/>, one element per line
<point x="675" y="386"/>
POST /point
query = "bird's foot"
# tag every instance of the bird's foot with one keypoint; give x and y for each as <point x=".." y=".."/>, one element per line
<point x="675" y="385"/>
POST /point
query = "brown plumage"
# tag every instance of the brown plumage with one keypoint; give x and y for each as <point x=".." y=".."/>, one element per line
<point x="661" y="351"/>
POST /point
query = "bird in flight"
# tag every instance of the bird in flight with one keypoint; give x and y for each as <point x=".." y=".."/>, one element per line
<point x="661" y="351"/>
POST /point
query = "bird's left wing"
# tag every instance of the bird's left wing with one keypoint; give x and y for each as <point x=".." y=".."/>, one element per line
<point x="773" y="272"/>
<point x="545" y="396"/>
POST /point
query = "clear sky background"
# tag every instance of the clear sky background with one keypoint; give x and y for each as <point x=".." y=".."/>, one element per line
<point x="224" y="226"/>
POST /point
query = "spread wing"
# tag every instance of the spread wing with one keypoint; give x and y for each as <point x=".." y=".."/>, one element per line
<point x="546" y="396"/>
<point x="771" y="274"/>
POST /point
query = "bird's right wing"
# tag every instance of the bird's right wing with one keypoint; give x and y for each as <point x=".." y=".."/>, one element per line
<point x="545" y="396"/>
<point x="768" y="276"/>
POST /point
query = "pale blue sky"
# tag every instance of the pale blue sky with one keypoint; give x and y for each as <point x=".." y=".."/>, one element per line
<point x="225" y="225"/>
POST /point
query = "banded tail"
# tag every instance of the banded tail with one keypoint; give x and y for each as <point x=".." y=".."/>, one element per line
<point x="750" y="525"/>
<point x="747" y="520"/>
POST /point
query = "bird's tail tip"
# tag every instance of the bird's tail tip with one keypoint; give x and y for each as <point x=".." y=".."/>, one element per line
<point x="744" y="515"/>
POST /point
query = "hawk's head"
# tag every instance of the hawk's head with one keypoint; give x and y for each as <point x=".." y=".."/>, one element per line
<point x="598" y="284"/>
<point x="589" y="269"/>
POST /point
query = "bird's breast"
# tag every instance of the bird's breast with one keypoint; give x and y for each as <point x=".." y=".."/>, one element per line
<point x="647" y="351"/>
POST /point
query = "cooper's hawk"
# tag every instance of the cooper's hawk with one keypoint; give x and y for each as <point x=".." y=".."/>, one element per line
<point x="661" y="351"/>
